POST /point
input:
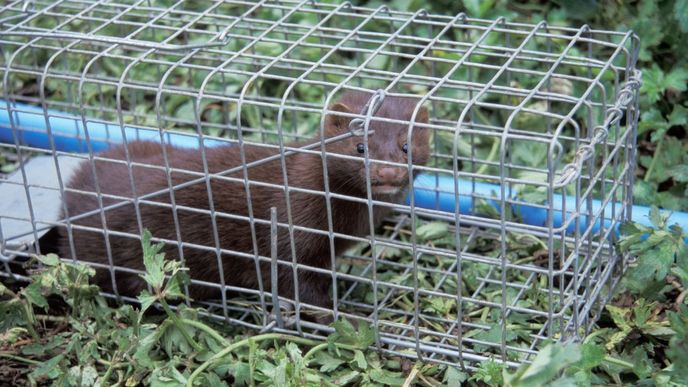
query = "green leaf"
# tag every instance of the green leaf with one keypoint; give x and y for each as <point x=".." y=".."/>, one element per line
<point x="489" y="372"/>
<point x="644" y="192"/>
<point x="484" y="208"/>
<point x="642" y="312"/>
<point x="359" y="360"/>
<point x="680" y="172"/>
<point x="629" y="229"/>
<point x="242" y="373"/>
<point x="212" y="380"/>
<point x="346" y="334"/>
<point x="432" y="230"/>
<point x="153" y="261"/>
<point x="11" y="335"/>
<point x="580" y="9"/>
<point x="345" y="377"/>
<point x="387" y="252"/>
<point x="493" y="335"/>
<point x="655" y="218"/>
<point x="49" y="260"/>
<point x="659" y="261"/>
<point x="173" y="341"/>
<point x="659" y="134"/>
<point x="328" y="362"/>
<point x="677" y="79"/>
<point x="385" y="377"/>
<point x="647" y="20"/>
<point x="42" y="348"/>
<point x="49" y="368"/>
<point x="592" y="355"/>
<point x="145" y="345"/>
<point x="529" y="153"/>
<point x="678" y="345"/>
<point x="82" y="376"/>
<point x="89" y="375"/>
<point x="657" y="250"/>
<point x="564" y="381"/>
<point x="533" y="194"/>
<point x="146" y="299"/>
<point x="620" y="316"/>
<point x="33" y="293"/>
<point x="478" y="8"/>
<point x="166" y="376"/>
<point x="279" y="377"/>
<point x="656" y="82"/>
<point x="454" y="377"/>
<point x="173" y="289"/>
<point x="653" y="120"/>
<point x="642" y="365"/>
<point x="294" y="353"/>
<point x="440" y="305"/>
<point x="546" y="366"/>
<point x="653" y="84"/>
<point x="681" y="14"/>
<point x="678" y="116"/>
<point x="681" y="273"/>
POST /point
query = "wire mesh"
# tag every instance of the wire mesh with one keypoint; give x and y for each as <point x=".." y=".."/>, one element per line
<point x="547" y="114"/>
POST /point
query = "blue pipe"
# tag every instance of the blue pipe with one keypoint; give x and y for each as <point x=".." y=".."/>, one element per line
<point x="430" y="191"/>
<point x="427" y="196"/>
<point x="68" y="131"/>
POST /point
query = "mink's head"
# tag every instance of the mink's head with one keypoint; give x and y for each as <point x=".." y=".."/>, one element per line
<point x="389" y="142"/>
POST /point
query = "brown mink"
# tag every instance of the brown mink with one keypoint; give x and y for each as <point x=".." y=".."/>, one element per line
<point x="346" y="177"/>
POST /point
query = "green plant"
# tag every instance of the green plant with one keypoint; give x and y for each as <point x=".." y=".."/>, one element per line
<point x="95" y="343"/>
<point x="59" y="330"/>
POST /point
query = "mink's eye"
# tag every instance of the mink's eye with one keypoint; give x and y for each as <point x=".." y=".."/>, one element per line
<point x="360" y="148"/>
<point x="404" y="148"/>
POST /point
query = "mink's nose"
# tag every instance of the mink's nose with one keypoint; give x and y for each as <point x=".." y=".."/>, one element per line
<point x="387" y="175"/>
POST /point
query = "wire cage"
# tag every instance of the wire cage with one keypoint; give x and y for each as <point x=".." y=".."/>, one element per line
<point x="505" y="239"/>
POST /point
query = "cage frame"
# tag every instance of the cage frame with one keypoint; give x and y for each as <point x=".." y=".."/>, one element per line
<point x="15" y="15"/>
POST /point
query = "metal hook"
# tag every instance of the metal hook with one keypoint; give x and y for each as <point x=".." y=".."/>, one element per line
<point x="356" y="126"/>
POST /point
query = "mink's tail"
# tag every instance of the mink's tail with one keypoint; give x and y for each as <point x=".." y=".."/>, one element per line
<point x="50" y="242"/>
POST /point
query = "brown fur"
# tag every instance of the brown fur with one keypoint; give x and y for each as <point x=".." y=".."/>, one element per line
<point x="308" y="210"/>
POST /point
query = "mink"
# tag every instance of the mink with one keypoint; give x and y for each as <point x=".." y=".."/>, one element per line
<point x="346" y="177"/>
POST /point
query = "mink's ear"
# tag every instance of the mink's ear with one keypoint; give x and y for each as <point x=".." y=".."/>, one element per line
<point x="335" y="124"/>
<point x="421" y="136"/>
<point x="422" y="115"/>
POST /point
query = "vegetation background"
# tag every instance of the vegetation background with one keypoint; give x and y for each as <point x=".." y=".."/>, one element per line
<point x="642" y="339"/>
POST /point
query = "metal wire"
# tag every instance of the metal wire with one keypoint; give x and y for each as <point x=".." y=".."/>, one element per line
<point x="548" y="113"/>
